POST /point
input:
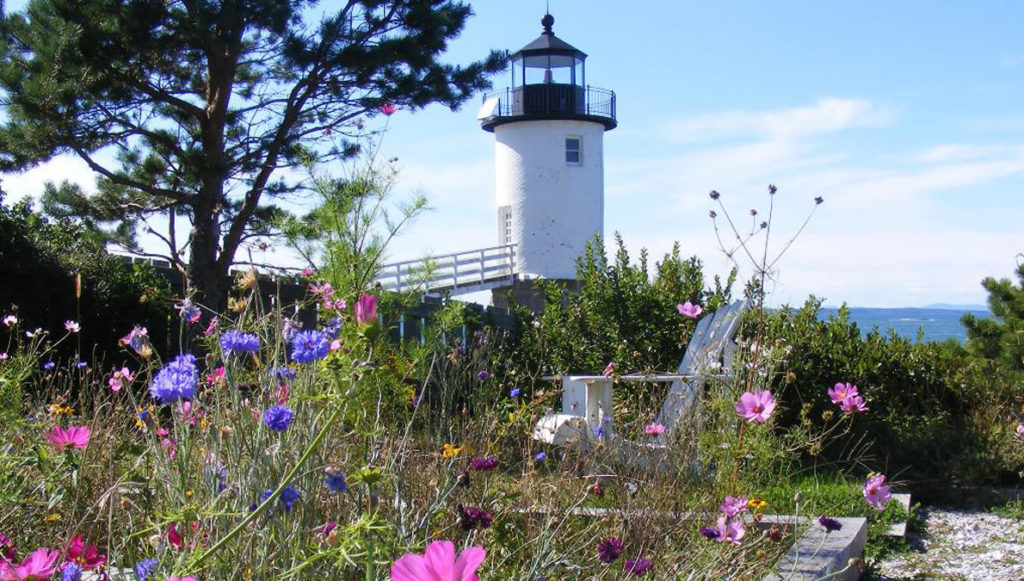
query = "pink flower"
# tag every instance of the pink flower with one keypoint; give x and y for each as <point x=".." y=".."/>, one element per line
<point x="1020" y="429"/>
<point x="307" y="272"/>
<point x="39" y="565"/>
<point x="120" y="377"/>
<point x="366" y="309"/>
<point x="733" y="506"/>
<point x="212" y="327"/>
<point x="876" y="493"/>
<point x="609" y="369"/>
<point x="189" y="578"/>
<point x="438" y="563"/>
<point x="88" y="557"/>
<point x="387" y="109"/>
<point x="841" y="391"/>
<point x="654" y="429"/>
<point x="72" y="327"/>
<point x="334" y="345"/>
<point x="730" y="530"/>
<point x="689" y="310"/>
<point x="757" y="406"/>
<point x="75" y="437"/>
<point x="217" y="377"/>
<point x="854" y="403"/>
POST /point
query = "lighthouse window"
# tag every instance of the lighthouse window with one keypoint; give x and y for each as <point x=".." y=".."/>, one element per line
<point x="574" y="151"/>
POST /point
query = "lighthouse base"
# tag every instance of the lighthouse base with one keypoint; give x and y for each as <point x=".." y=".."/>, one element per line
<point x="530" y="293"/>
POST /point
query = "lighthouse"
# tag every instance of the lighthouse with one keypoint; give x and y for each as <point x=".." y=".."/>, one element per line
<point x="548" y="130"/>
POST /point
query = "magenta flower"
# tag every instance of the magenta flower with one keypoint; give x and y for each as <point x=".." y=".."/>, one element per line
<point x="730" y="530"/>
<point x="609" y="549"/>
<point x="387" y="109"/>
<point x="852" y="404"/>
<point x="189" y="578"/>
<point x="757" y="406"/>
<point x="438" y="563"/>
<point x="39" y="565"/>
<point x="733" y="506"/>
<point x="366" y="309"/>
<point x="87" y="556"/>
<point x="876" y="493"/>
<point x="638" y="567"/>
<point x="689" y="310"/>
<point x="842" y="391"/>
<point x="75" y="437"/>
<point x="120" y="377"/>
<point x="654" y="429"/>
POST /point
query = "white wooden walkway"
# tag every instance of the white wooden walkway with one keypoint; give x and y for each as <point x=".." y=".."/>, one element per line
<point x="459" y="273"/>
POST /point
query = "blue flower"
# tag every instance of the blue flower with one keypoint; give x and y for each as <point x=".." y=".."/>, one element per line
<point x="333" y="327"/>
<point x="515" y="392"/>
<point x="278" y="417"/>
<point x="49" y="365"/>
<point x="71" y="572"/>
<point x="145" y="568"/>
<point x="541" y="456"/>
<point x="309" y="346"/>
<point x="335" y="482"/>
<point x="482" y="374"/>
<point x="81" y="365"/>
<point x="175" y="381"/>
<point x="280" y="373"/>
<point x="235" y="341"/>
<point x="289" y="496"/>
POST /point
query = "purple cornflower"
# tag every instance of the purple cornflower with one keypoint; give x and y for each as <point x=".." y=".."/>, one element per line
<point x="280" y="373"/>
<point x="471" y="518"/>
<point x="609" y="549"/>
<point x="638" y="566"/>
<point x="278" y="417"/>
<point x="541" y="456"/>
<point x="335" y="481"/>
<point x="289" y="496"/>
<point x="482" y="374"/>
<point x="235" y="341"/>
<point x="175" y="381"/>
<point x="145" y="568"/>
<point x="709" y="533"/>
<point x="309" y="346"/>
<point x="71" y="572"/>
<point x="515" y="392"/>
<point x="829" y="524"/>
<point x="488" y="462"/>
<point x="333" y="327"/>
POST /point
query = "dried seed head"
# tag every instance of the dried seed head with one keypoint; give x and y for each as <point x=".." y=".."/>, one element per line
<point x="772" y="189"/>
<point x="714" y="195"/>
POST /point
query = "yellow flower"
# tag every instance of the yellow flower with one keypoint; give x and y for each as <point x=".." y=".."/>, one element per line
<point x="756" y="503"/>
<point x="188" y="493"/>
<point x="451" y="451"/>
<point x="52" y="517"/>
<point x="55" y="409"/>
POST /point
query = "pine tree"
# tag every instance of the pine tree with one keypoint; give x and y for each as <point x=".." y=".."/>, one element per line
<point x="188" y="110"/>
<point x="1000" y="338"/>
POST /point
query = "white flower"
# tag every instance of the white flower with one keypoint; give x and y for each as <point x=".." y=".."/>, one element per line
<point x="10" y="320"/>
<point x="31" y="334"/>
<point x="72" y="327"/>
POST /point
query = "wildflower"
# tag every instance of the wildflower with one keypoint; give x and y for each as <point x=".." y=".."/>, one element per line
<point x="609" y="549"/>
<point x="772" y="189"/>
<point x="74" y="437"/>
<point x="88" y="556"/>
<point x="541" y="456"/>
<point x="514" y="392"/>
<point x="281" y="373"/>
<point x="439" y="562"/>
<point x="450" y="451"/>
<point x="1020" y="429"/>
<point x="335" y="481"/>
<point x="120" y="377"/>
<point x="8" y="550"/>
<point x="818" y="200"/>
<point x="757" y="504"/>
<point x="71" y="572"/>
<point x="235" y="341"/>
<point x="598" y="431"/>
<point x="307" y="272"/>
<point x="189" y="578"/>
<point x="829" y="524"/>
<point x="609" y="369"/>
<point x="597" y="489"/>
<point x="188" y="311"/>
<point x="49" y="366"/>
<point x="733" y="506"/>
<point x="488" y="462"/>
<point x="333" y="327"/>
<point x="731" y="530"/>
<point x="81" y="365"/>
<point x="471" y="518"/>
<point x="757" y="406"/>
<point x="689" y="310"/>
<point x="3" y="355"/>
<point x="145" y="568"/>
<point x="211" y="328"/>
<point x="654" y="429"/>
<point x="714" y="195"/>
<point x="876" y="493"/>
<point x="709" y="533"/>
<point x="309" y="346"/>
<point x="638" y="566"/>
<point x="482" y="374"/>
<point x="175" y="381"/>
<point x="72" y="327"/>
<point x="289" y="496"/>
<point x="56" y="409"/>
<point x="841" y="391"/>
<point x="289" y="328"/>
<point x="366" y="309"/>
<point x="853" y="404"/>
<point x="387" y="109"/>
<point x="40" y="564"/>
<point x="138" y="340"/>
<point x="10" y="320"/>
<point x="278" y="417"/>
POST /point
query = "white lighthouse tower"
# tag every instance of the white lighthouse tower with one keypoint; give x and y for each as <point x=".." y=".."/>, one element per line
<point x="549" y="156"/>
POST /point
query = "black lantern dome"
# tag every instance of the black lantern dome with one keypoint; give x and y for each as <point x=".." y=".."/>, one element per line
<point x="548" y="82"/>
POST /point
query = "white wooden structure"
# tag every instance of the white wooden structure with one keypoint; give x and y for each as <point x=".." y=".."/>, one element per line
<point x="458" y="273"/>
<point x="587" y="399"/>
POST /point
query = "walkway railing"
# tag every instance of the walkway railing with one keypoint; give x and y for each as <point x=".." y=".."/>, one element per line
<point x="458" y="273"/>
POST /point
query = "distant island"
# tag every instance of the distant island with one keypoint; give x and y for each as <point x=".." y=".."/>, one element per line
<point x="952" y="307"/>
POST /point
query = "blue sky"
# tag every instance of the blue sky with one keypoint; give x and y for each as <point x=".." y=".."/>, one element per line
<point x="906" y="117"/>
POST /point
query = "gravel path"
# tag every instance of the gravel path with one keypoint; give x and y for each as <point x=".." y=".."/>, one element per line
<point x="961" y="545"/>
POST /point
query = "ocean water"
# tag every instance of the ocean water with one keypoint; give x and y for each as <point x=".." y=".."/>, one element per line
<point x="934" y="324"/>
